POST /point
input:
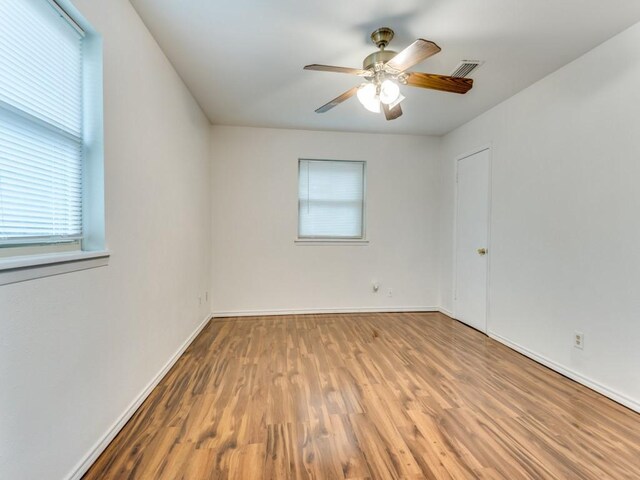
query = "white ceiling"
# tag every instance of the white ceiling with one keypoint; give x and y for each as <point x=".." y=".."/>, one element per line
<point x="243" y="59"/>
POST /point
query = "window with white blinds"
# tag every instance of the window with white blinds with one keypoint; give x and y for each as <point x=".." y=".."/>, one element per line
<point x="41" y="118"/>
<point x="331" y="199"/>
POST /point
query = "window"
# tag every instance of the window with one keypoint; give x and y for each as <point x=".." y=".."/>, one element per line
<point x="51" y="141"/>
<point x="331" y="199"/>
<point x="41" y="125"/>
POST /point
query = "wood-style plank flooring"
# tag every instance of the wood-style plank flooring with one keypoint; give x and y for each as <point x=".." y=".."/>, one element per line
<point x="377" y="396"/>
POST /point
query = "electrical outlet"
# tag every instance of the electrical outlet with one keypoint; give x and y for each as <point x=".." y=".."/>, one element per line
<point x="578" y="340"/>
<point x="390" y="292"/>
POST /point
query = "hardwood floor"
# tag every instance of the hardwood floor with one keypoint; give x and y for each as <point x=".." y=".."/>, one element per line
<point x="379" y="396"/>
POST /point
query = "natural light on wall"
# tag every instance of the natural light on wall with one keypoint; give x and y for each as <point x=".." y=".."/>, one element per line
<point x="331" y="199"/>
<point x="41" y="124"/>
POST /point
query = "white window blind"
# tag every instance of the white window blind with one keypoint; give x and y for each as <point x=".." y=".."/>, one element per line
<point x="41" y="144"/>
<point x="331" y="199"/>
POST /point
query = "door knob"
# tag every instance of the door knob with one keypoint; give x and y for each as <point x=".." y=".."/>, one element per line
<point x="482" y="251"/>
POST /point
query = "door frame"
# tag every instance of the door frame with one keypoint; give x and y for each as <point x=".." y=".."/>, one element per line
<point x="489" y="148"/>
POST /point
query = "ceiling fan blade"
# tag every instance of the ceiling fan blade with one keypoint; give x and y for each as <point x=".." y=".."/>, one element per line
<point x="392" y="113"/>
<point x="338" y="100"/>
<point x="412" y="55"/>
<point x="439" y="82"/>
<point x="330" y="68"/>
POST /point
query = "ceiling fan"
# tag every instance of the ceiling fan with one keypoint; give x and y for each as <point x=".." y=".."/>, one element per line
<point x="384" y="70"/>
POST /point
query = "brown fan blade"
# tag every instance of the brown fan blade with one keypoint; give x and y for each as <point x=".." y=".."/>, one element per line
<point x="338" y="100"/>
<point x="392" y="113"/>
<point x="412" y="55"/>
<point x="439" y="82"/>
<point x="330" y="68"/>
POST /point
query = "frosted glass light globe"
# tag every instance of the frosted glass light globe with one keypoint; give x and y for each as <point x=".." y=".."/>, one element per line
<point x="389" y="92"/>
<point x="368" y="98"/>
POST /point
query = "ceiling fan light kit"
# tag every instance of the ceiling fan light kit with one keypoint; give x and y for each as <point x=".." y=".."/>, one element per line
<point x="371" y="95"/>
<point x="385" y="70"/>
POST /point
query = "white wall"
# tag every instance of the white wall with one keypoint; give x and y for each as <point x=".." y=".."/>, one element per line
<point x="256" y="265"/>
<point x="77" y="349"/>
<point x="565" y="246"/>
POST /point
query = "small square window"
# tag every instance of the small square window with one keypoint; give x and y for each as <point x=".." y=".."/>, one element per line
<point x="331" y="199"/>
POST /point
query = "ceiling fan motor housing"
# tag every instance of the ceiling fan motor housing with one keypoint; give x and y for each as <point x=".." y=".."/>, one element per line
<point x="380" y="57"/>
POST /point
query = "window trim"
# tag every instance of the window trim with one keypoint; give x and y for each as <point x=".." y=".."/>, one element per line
<point x="311" y="242"/>
<point x="329" y="240"/>
<point x="28" y="267"/>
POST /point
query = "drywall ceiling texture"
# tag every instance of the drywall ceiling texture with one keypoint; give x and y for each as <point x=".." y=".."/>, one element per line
<point x="564" y="254"/>
<point x="243" y="60"/>
<point x="78" y="349"/>
<point x="257" y="267"/>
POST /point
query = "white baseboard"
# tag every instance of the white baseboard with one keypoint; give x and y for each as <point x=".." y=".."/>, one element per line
<point x="311" y="311"/>
<point x="573" y="375"/>
<point x="100" y="446"/>
<point x="586" y="381"/>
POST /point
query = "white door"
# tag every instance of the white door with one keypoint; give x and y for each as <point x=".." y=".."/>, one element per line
<point x="472" y="234"/>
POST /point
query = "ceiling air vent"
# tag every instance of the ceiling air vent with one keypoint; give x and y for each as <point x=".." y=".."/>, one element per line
<point x="464" y="69"/>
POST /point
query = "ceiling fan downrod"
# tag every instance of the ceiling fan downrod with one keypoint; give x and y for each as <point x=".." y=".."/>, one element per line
<point x="381" y="38"/>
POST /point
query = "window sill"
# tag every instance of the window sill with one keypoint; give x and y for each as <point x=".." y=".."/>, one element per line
<point x="28" y="267"/>
<point x="329" y="241"/>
